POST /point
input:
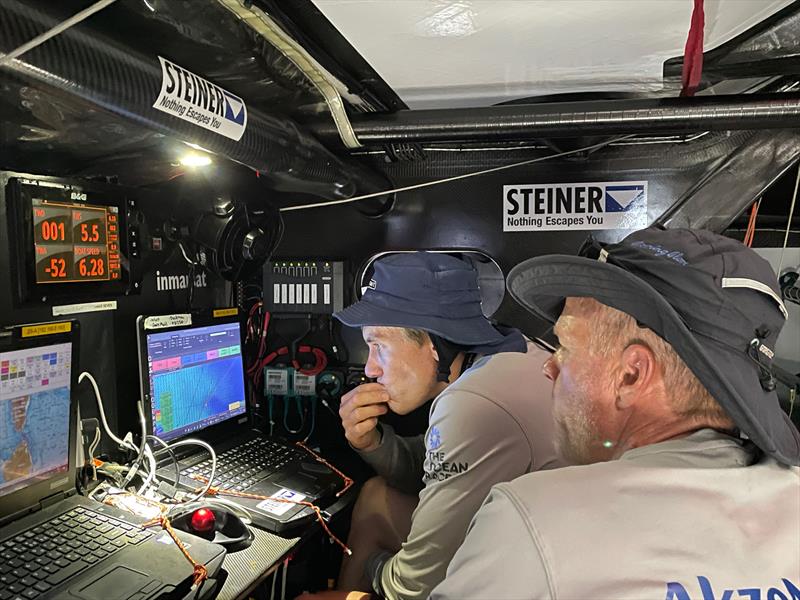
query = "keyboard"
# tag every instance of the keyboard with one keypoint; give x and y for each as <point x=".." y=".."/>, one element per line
<point x="34" y="561"/>
<point x="242" y="466"/>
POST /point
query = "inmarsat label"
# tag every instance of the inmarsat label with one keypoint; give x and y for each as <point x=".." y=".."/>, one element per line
<point x="554" y="206"/>
<point x="197" y="100"/>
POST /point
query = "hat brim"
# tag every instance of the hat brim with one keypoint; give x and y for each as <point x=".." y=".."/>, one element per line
<point x="543" y="283"/>
<point x="475" y="331"/>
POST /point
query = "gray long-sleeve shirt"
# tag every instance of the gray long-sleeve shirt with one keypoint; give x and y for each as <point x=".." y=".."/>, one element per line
<point x="491" y="425"/>
<point x="688" y="519"/>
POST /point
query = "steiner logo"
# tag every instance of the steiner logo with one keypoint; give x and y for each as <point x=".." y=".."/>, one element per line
<point x="622" y="198"/>
<point x="197" y="100"/>
<point x="172" y="283"/>
<point x="558" y="206"/>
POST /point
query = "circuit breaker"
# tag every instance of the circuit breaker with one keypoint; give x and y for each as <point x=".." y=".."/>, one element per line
<point x="304" y="286"/>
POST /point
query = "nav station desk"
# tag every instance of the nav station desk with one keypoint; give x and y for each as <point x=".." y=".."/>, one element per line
<point x="251" y="566"/>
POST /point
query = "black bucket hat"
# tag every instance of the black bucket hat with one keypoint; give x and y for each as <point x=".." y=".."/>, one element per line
<point x="714" y="300"/>
<point x="432" y="291"/>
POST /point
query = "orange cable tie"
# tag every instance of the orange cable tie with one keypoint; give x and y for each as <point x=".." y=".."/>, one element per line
<point x="200" y="573"/>
<point x="348" y="483"/>
<point x="314" y="507"/>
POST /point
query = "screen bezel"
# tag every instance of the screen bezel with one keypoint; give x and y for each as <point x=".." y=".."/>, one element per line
<point x="20" y="192"/>
<point x="199" y="319"/>
<point x="27" y="498"/>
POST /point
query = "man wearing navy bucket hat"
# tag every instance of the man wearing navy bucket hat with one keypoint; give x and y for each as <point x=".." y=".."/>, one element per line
<point x="491" y="419"/>
<point x="663" y="389"/>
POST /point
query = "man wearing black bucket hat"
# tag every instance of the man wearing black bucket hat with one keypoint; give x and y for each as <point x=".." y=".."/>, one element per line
<point x="663" y="389"/>
<point x="491" y="420"/>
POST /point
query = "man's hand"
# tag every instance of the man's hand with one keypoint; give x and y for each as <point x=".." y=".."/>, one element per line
<point x="359" y="411"/>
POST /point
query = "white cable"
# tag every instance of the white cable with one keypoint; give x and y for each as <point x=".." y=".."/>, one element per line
<point x="109" y="433"/>
<point x="455" y="178"/>
<point x="283" y="579"/>
<point x="50" y="33"/>
<point x="124" y="444"/>
<point x="92" y="448"/>
<point x="194" y="263"/>
<point x="274" y="577"/>
<point x="789" y="224"/>
<point x="151" y="461"/>
<point x="196" y="442"/>
<point x="142" y="447"/>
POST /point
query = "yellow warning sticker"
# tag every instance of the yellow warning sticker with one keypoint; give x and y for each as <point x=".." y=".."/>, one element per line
<point x="226" y="312"/>
<point x="46" y="329"/>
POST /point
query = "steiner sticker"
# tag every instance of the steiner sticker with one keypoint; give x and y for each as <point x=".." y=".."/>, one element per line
<point x="277" y="507"/>
<point x="557" y="206"/>
<point x="197" y="100"/>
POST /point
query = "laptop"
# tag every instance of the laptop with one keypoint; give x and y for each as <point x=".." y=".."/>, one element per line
<point x="192" y="377"/>
<point x="54" y="543"/>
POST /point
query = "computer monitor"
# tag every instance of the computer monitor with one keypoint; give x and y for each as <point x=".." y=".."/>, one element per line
<point x="192" y="376"/>
<point x="36" y="379"/>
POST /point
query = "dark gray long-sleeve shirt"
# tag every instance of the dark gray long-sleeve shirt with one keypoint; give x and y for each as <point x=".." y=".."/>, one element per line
<point x="398" y="460"/>
<point x="491" y="425"/>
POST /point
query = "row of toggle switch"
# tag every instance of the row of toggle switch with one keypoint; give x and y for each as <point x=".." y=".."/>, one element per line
<point x="300" y="293"/>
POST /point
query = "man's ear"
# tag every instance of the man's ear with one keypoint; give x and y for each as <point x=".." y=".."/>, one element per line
<point x="433" y="351"/>
<point x="637" y="370"/>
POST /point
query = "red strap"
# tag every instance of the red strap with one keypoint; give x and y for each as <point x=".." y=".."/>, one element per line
<point x="693" y="52"/>
<point x="320" y="361"/>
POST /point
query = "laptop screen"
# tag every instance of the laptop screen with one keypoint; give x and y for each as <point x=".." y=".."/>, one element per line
<point x="34" y="414"/>
<point x="196" y="378"/>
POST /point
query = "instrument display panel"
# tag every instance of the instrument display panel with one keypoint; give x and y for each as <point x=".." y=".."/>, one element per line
<point x="75" y="242"/>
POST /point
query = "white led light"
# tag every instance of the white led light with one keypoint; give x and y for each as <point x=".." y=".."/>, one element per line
<point x="195" y="160"/>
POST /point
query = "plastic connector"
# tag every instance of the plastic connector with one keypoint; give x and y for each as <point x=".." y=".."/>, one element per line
<point x="167" y="489"/>
<point x="88" y="425"/>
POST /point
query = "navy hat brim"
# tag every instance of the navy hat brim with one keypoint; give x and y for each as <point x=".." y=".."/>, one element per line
<point x="475" y="331"/>
<point x="543" y="283"/>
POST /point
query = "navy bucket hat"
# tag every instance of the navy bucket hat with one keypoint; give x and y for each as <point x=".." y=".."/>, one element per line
<point x="713" y="299"/>
<point x="432" y="291"/>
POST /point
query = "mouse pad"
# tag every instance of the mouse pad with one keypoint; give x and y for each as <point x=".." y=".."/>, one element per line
<point x="119" y="583"/>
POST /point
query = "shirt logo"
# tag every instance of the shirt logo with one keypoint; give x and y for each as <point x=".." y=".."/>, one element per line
<point x="434" y="438"/>
<point x="658" y="250"/>
<point x="676" y="591"/>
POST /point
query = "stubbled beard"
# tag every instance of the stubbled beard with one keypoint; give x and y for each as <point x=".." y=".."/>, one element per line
<point x="576" y="434"/>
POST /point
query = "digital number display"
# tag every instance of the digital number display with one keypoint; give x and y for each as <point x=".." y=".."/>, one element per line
<point x="75" y="242"/>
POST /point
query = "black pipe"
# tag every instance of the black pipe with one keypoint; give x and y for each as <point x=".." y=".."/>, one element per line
<point x="81" y="64"/>
<point x="574" y="119"/>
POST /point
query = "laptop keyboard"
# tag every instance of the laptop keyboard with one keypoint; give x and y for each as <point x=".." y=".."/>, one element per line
<point x="36" y="560"/>
<point x="242" y="466"/>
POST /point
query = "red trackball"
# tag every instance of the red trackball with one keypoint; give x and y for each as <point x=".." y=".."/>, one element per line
<point x="203" y="520"/>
